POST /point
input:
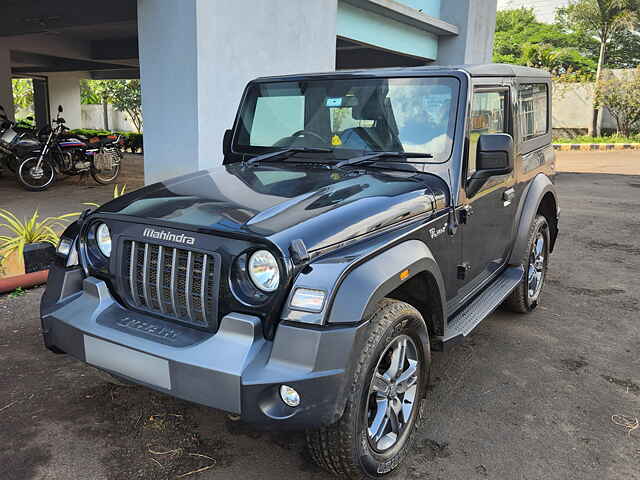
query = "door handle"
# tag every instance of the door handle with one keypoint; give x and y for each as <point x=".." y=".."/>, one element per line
<point x="508" y="196"/>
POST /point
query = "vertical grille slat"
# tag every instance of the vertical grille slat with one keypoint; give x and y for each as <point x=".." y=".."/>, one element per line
<point x="187" y="285"/>
<point x="145" y="275"/>
<point x="132" y="266"/>
<point x="203" y="288"/>
<point x="160" y="263"/>
<point x="174" y="272"/>
<point x="176" y="283"/>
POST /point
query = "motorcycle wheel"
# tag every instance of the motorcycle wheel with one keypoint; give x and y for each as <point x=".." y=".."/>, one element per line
<point x="34" y="179"/>
<point x="104" y="177"/>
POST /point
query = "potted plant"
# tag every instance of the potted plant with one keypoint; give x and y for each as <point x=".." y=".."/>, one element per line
<point x="30" y="244"/>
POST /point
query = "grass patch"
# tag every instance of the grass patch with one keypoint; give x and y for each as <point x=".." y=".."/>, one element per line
<point x="589" y="139"/>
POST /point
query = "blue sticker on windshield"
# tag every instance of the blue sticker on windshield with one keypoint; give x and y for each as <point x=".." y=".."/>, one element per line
<point x="333" y="102"/>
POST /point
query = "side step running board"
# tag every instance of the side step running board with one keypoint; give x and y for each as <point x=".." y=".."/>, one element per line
<point x="470" y="316"/>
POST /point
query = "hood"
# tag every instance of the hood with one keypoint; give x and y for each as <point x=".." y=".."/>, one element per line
<point x="283" y="201"/>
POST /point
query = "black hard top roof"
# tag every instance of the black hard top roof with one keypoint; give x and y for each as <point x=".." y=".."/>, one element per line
<point x="480" y="70"/>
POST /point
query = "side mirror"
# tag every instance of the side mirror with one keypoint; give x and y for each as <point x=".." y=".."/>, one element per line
<point x="60" y="110"/>
<point x="226" y="142"/>
<point x="494" y="156"/>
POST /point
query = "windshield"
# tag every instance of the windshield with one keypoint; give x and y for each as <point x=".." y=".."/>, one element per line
<point x="411" y="115"/>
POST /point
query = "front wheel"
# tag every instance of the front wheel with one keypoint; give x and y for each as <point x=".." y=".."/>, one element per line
<point x="33" y="177"/>
<point x="382" y="409"/>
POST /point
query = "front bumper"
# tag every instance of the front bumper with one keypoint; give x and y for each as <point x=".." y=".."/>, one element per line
<point x="236" y="369"/>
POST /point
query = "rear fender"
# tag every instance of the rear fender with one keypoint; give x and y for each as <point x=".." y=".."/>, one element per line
<point x="529" y="206"/>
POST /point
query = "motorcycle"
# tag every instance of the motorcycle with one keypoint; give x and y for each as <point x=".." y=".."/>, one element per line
<point x="62" y="153"/>
<point x="16" y="139"/>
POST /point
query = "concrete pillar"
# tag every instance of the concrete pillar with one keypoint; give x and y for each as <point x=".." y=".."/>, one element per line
<point x="476" y="20"/>
<point x="6" y="91"/>
<point x="196" y="57"/>
<point x="64" y="89"/>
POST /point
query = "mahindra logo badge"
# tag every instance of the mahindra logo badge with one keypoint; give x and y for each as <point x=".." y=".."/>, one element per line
<point x="168" y="236"/>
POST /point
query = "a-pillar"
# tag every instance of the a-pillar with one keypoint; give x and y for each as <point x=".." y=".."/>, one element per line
<point x="196" y="57"/>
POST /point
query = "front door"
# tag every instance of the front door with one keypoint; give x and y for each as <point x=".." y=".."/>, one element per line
<point x="490" y="212"/>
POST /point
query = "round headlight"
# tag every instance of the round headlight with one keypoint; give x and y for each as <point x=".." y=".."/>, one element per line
<point x="263" y="270"/>
<point x="103" y="239"/>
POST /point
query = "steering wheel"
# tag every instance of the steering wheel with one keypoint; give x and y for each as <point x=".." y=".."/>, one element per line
<point x="303" y="132"/>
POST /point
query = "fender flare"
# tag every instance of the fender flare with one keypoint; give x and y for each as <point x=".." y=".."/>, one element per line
<point x="527" y="210"/>
<point x="370" y="282"/>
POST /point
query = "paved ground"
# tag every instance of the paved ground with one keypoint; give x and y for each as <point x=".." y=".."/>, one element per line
<point x="526" y="397"/>
<point x="68" y="193"/>
<point x="623" y="163"/>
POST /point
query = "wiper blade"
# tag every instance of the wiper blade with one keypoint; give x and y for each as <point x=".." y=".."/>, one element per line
<point x="375" y="156"/>
<point x="287" y="153"/>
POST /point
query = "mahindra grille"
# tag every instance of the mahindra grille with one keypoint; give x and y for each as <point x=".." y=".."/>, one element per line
<point x="180" y="284"/>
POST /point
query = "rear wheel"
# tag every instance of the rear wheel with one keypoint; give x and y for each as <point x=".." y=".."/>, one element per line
<point x="33" y="177"/>
<point x="527" y="294"/>
<point x="382" y="410"/>
<point x="104" y="176"/>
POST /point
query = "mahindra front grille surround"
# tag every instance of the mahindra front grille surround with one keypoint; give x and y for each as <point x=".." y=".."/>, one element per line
<point x="176" y="283"/>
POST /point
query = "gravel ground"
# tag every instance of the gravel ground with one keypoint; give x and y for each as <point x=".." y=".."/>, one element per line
<point x="526" y="397"/>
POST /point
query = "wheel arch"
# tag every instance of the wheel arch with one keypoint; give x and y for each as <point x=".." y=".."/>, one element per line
<point x="384" y="276"/>
<point x="539" y="198"/>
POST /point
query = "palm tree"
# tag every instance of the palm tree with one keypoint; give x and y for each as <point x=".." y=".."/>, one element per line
<point x="602" y="18"/>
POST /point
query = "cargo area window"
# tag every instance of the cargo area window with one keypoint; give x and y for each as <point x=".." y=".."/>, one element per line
<point x="533" y="105"/>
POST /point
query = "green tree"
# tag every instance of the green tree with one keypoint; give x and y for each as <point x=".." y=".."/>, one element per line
<point x="603" y="19"/>
<point x="22" y="93"/>
<point x="622" y="97"/>
<point x="521" y="39"/>
<point x="125" y="96"/>
<point x="89" y="92"/>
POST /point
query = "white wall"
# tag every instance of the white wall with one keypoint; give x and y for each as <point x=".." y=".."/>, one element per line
<point x="93" y="118"/>
<point x="64" y="89"/>
<point x="196" y="57"/>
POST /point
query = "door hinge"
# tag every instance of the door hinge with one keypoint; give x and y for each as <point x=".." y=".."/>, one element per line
<point x="463" y="269"/>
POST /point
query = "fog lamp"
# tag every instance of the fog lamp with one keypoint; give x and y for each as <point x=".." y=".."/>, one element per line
<point x="289" y="396"/>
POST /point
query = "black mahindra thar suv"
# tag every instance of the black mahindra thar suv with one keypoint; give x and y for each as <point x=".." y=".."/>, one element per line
<point x="359" y="221"/>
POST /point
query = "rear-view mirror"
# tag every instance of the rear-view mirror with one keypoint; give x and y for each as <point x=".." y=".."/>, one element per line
<point x="494" y="156"/>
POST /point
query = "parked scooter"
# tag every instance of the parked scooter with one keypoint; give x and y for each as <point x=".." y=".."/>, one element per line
<point x="66" y="154"/>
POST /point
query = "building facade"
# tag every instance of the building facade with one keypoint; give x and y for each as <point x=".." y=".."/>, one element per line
<point x="195" y="56"/>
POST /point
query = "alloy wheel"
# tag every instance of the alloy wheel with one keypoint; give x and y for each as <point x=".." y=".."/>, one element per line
<point x="536" y="271"/>
<point x="392" y="393"/>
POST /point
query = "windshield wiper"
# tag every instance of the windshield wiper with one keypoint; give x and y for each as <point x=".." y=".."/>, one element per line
<point x="286" y="153"/>
<point x="375" y="156"/>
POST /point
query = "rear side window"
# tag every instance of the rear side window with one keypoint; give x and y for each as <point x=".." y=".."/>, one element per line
<point x="533" y="103"/>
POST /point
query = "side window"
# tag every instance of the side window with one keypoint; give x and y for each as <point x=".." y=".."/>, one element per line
<point x="276" y="118"/>
<point x="488" y="115"/>
<point x="533" y="104"/>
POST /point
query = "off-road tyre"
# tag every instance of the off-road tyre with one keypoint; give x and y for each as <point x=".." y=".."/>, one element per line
<point x="519" y="300"/>
<point x="344" y="448"/>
